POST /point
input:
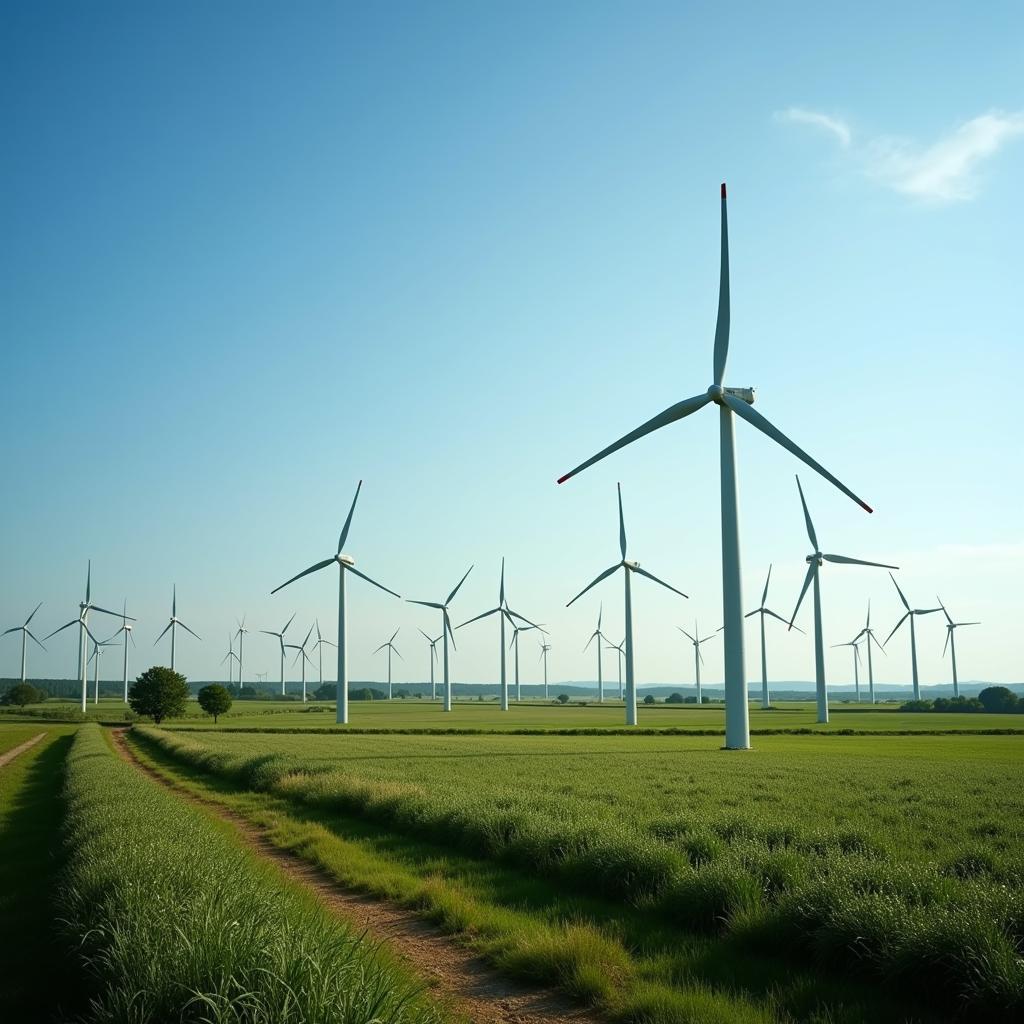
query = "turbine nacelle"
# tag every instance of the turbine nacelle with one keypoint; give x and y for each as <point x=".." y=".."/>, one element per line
<point x="630" y="565"/>
<point x="344" y="559"/>
<point x="815" y="559"/>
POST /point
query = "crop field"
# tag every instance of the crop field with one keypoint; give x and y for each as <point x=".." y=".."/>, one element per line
<point x="892" y="863"/>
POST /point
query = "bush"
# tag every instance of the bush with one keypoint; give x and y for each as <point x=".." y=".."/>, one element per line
<point x="214" y="700"/>
<point x="999" y="700"/>
<point x="562" y="698"/>
<point x="159" y="693"/>
<point x="649" y="699"/>
<point x="21" y="694"/>
<point x="674" y="698"/>
<point x="366" y="693"/>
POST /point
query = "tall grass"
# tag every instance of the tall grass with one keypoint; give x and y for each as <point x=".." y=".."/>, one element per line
<point x="945" y="921"/>
<point x="172" y="921"/>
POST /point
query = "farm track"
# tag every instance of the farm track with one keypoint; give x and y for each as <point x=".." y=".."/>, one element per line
<point x="469" y="983"/>
<point x="20" y="749"/>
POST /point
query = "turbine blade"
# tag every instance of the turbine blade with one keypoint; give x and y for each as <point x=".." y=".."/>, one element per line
<point x="305" y="572"/>
<point x="393" y="635"/>
<point x="897" y="626"/>
<point x="941" y="605"/>
<point x="426" y="604"/>
<point x="476" y="618"/>
<point x="451" y="596"/>
<point x="448" y="626"/>
<point x="363" y="576"/>
<point x="755" y="419"/>
<point x="34" y="610"/>
<point x="107" y="611"/>
<point x="425" y="637"/>
<point x="530" y="624"/>
<point x="501" y="589"/>
<point x="187" y="630"/>
<point x="946" y="644"/>
<point x="722" y="325"/>
<point x="900" y="592"/>
<point x="764" y="596"/>
<point x="754" y="612"/>
<point x="670" y="415"/>
<point x="287" y="624"/>
<point x="348" y="521"/>
<point x="31" y="634"/>
<point x="603" y="576"/>
<point x="379" y="649"/>
<point x="811" y="535"/>
<point x="591" y="640"/>
<point x="843" y="560"/>
<point x="803" y="590"/>
<point x="398" y="653"/>
<point x="667" y="586"/>
<point x="161" y="636"/>
<point x="687" y="635"/>
<point x="622" y="525"/>
<point x="768" y="611"/>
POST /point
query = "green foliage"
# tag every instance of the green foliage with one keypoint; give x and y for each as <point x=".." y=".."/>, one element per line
<point x="367" y="693"/>
<point x="214" y="700"/>
<point x="562" y="698"/>
<point x="674" y="698"/>
<point x="325" y="691"/>
<point x="159" y="693"/>
<point x="172" y="921"/>
<point x="649" y="699"/>
<point x="999" y="700"/>
<point x="22" y="694"/>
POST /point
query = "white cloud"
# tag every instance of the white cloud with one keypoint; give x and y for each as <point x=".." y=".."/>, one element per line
<point x="838" y="128"/>
<point x="943" y="172"/>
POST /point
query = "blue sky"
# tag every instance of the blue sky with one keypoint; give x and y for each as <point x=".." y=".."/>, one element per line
<point x="254" y="253"/>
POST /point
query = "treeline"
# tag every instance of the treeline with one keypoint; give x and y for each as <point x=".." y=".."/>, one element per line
<point x="993" y="700"/>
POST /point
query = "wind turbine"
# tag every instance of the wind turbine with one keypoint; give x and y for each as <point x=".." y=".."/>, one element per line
<point x="951" y="628"/>
<point x="126" y="628"/>
<point x="319" y="648"/>
<point x="621" y="648"/>
<point x="25" y="633"/>
<point x="762" y="612"/>
<point x="346" y="563"/>
<point x="514" y="642"/>
<point x="730" y="401"/>
<point x="446" y="635"/>
<point x="173" y="625"/>
<point x="856" y="665"/>
<point x="696" y="639"/>
<point x="280" y="640"/>
<point x="911" y="614"/>
<point x="390" y="646"/>
<point x="814" y="563"/>
<point x="544" y="648"/>
<point x="433" y="658"/>
<point x="628" y="568"/>
<point x="230" y="658"/>
<point x="82" y="622"/>
<point x="97" y="651"/>
<point x="599" y="637"/>
<point x="869" y="636"/>
<point x="301" y="648"/>
<point x="503" y="612"/>
<point x="240" y="634"/>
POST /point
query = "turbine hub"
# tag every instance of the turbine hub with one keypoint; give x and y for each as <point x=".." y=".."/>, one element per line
<point x="344" y="559"/>
<point x="715" y="391"/>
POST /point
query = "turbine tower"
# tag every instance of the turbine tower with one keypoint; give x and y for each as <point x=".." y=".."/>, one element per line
<point x="911" y="613"/>
<point x="951" y="628"/>
<point x="544" y="648"/>
<point x="869" y="635"/>
<point x="126" y="628"/>
<point x="240" y="634"/>
<point x="25" y="634"/>
<point x="433" y="658"/>
<point x="599" y="637"/>
<point x="814" y="563"/>
<point x="856" y="666"/>
<point x="446" y="635"/>
<point x="319" y="648"/>
<point x="346" y="563"/>
<point x="730" y="401"/>
<point x="762" y="612"/>
<point x="389" y="646"/>
<point x="280" y="640"/>
<point x="621" y="648"/>
<point x="504" y="613"/>
<point x="173" y="625"/>
<point x="628" y="568"/>
<point x="698" y="659"/>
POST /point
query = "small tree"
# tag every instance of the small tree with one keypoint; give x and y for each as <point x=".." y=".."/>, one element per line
<point x="674" y="698"/>
<point x="215" y="700"/>
<point x="999" y="699"/>
<point x="649" y="699"/>
<point x="326" y="691"/>
<point x="21" y="694"/>
<point x="159" y="693"/>
<point x="563" y="698"/>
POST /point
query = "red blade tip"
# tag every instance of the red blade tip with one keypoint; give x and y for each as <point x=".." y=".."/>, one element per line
<point x="562" y="479"/>
<point x="867" y="508"/>
<point x="723" y="189"/>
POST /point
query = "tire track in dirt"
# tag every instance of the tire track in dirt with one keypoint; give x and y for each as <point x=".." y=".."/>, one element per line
<point x="470" y="984"/>
<point x="11" y="754"/>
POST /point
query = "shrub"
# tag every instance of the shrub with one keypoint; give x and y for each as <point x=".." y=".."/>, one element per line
<point x="674" y="698"/>
<point x="998" y="699"/>
<point x="21" y="694"/>
<point x="649" y="699"/>
<point x="159" y="693"/>
<point x="562" y="698"/>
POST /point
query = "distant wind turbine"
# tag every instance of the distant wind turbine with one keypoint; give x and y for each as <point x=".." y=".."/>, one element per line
<point x="280" y="639"/>
<point x="856" y="666"/>
<point x="25" y="634"/>
<point x="951" y="628"/>
<point x="516" y="630"/>
<point x="504" y="613"/>
<point x="446" y="635"/>
<point x="621" y="649"/>
<point x="389" y="646"/>
<point x="319" y="648"/>
<point x="762" y="612"/>
<point x="126" y="628"/>
<point x="173" y="625"/>
<point x="814" y="563"/>
<point x="628" y="568"/>
<point x="730" y="401"/>
<point x="698" y="659"/>
<point x="868" y="634"/>
<point x="303" y="657"/>
<point x="240" y="634"/>
<point x="433" y="658"/>
<point x="600" y="638"/>
<point x="544" y="648"/>
<point x="346" y="563"/>
<point x="911" y="614"/>
<point x="230" y="658"/>
<point x="97" y="651"/>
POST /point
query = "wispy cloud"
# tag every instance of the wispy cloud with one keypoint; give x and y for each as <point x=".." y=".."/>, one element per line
<point x="840" y="129"/>
<point x="944" y="172"/>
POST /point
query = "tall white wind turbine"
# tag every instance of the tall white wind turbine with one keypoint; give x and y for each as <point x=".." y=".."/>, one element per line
<point x="600" y="638"/>
<point x="389" y="646"/>
<point x="125" y="628"/>
<point x="303" y="657"/>
<point x="730" y="401"/>
<point x="951" y="628"/>
<point x="698" y="659"/>
<point x="762" y="612"/>
<point x="868" y="635"/>
<point x="628" y="568"/>
<point x="346" y="563"/>
<point x="855" y="644"/>
<point x="84" y="607"/>
<point x="433" y="658"/>
<point x="26" y="633"/>
<point x="814" y="562"/>
<point x="446" y="634"/>
<point x="280" y="640"/>
<point x="173" y="625"/>
<point x="319" y="646"/>
<point x="544" y="648"/>
<point x="504" y="613"/>
<point x="911" y="613"/>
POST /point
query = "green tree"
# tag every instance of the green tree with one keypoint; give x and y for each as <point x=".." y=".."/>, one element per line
<point x="649" y="699"/>
<point x="674" y="698"/>
<point x="215" y="700"/>
<point x="159" y="693"/>
<point x="326" y="691"/>
<point x="563" y="698"/>
<point x="999" y="699"/>
<point x="21" y="694"/>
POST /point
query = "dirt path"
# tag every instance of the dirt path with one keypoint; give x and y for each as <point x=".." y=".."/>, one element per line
<point x="19" y="749"/>
<point x="472" y="986"/>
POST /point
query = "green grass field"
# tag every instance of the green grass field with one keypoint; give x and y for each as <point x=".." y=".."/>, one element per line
<point x="894" y="856"/>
